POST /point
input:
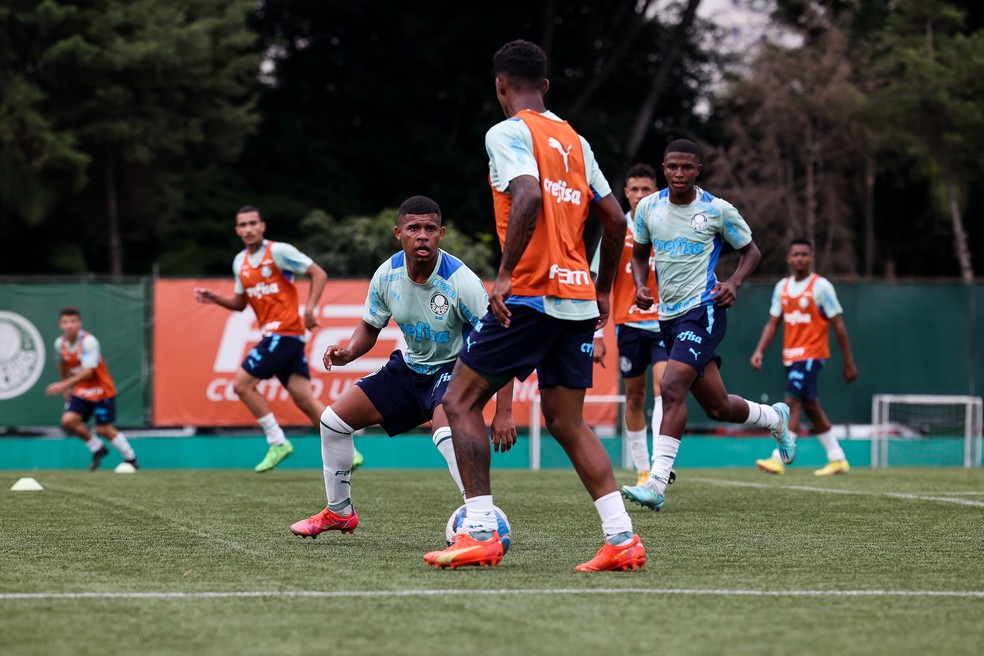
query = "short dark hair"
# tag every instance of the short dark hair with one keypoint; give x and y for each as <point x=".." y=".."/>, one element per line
<point x="641" y="170"/>
<point x="683" y="146"/>
<point x="521" y="60"/>
<point x="246" y="209"/>
<point x="69" y="312"/>
<point x="801" y="240"/>
<point x="418" y="205"/>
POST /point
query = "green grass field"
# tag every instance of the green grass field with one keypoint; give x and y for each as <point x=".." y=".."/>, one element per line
<point x="201" y="562"/>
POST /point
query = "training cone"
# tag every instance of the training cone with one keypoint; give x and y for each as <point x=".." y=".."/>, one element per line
<point x="125" y="468"/>
<point x="26" y="485"/>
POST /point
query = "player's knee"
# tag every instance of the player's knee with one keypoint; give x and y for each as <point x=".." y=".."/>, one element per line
<point x="717" y="412"/>
<point x="243" y="386"/>
<point x="635" y="400"/>
<point x="68" y="422"/>
<point x="336" y="428"/>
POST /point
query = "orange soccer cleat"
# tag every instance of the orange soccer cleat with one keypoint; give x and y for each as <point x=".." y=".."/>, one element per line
<point x="325" y="520"/>
<point x="466" y="550"/>
<point x="610" y="558"/>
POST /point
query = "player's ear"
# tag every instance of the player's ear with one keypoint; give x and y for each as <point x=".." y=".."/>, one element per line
<point x="396" y="232"/>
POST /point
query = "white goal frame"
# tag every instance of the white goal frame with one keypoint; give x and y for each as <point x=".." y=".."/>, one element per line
<point x="536" y="425"/>
<point x="973" y="421"/>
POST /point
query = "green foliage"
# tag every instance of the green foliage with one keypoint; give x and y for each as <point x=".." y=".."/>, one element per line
<point x="135" y="99"/>
<point x="355" y="246"/>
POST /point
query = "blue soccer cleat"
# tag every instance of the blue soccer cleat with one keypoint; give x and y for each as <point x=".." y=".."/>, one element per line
<point x="785" y="439"/>
<point x="645" y="495"/>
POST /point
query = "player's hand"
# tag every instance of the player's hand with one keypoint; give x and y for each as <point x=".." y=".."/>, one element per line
<point x="503" y="432"/>
<point x="725" y="294"/>
<point x="757" y="361"/>
<point x="644" y="298"/>
<point x="203" y="295"/>
<point x="336" y="354"/>
<point x="310" y="321"/>
<point x="501" y="291"/>
<point x="600" y="351"/>
<point x="850" y="371"/>
<point x="55" y="389"/>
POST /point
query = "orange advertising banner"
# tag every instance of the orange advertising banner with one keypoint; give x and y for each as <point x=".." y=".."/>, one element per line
<point x="198" y="348"/>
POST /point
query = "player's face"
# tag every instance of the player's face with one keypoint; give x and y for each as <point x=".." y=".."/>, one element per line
<point x="421" y="236"/>
<point x="70" y="326"/>
<point x="250" y="228"/>
<point x="681" y="170"/>
<point x="800" y="259"/>
<point x="638" y="188"/>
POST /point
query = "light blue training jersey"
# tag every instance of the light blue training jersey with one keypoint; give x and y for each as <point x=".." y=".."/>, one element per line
<point x="687" y="241"/>
<point x="435" y="316"/>
<point x="509" y="145"/>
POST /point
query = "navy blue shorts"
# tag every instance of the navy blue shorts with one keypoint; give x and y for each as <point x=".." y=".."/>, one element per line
<point x="560" y="350"/>
<point x="802" y="378"/>
<point x="104" y="410"/>
<point x="638" y="350"/>
<point x="693" y="338"/>
<point x="403" y="397"/>
<point x="277" y="355"/>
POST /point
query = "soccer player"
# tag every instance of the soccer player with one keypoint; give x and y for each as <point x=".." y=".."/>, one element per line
<point x="436" y="301"/>
<point x="544" y="309"/>
<point x="89" y="390"/>
<point x="808" y="305"/>
<point x="265" y="272"/>
<point x="686" y="227"/>
<point x="640" y="345"/>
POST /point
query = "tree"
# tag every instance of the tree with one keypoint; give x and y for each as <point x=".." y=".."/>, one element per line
<point x="928" y="104"/>
<point x="792" y="148"/>
<point x="150" y="93"/>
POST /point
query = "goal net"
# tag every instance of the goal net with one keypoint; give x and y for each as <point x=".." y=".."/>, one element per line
<point x="920" y="429"/>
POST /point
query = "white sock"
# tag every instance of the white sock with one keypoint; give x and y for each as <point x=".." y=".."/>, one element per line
<point x="831" y="445"/>
<point x="657" y="419"/>
<point x="480" y="515"/>
<point x="123" y="446"/>
<point x="94" y="444"/>
<point x="664" y="455"/>
<point x="614" y="519"/>
<point x="639" y="449"/>
<point x="764" y="416"/>
<point x="274" y="433"/>
<point x="442" y="440"/>
<point x="337" y="454"/>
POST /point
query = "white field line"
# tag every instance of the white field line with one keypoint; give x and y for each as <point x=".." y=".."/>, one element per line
<point x="810" y="488"/>
<point x="34" y="596"/>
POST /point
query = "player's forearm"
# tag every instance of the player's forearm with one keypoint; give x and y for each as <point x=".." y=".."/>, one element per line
<point x="79" y="377"/>
<point x="318" y="281"/>
<point x="768" y="334"/>
<point x="748" y="260"/>
<point x="840" y="333"/>
<point x="236" y="302"/>
<point x="640" y="265"/>
<point x="363" y="339"/>
<point x="504" y="399"/>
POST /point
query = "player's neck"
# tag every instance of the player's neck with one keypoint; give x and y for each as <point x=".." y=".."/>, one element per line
<point x="420" y="273"/>
<point x="253" y="248"/>
<point x="532" y="102"/>
<point x="800" y="276"/>
<point x="683" y="198"/>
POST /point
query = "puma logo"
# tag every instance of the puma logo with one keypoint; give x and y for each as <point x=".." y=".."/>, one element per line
<point x="553" y="143"/>
<point x="696" y="353"/>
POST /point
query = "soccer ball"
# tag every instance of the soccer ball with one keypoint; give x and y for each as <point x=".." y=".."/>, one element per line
<point x="458" y="516"/>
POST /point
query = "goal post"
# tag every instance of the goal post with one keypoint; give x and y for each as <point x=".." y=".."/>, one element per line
<point x="897" y="418"/>
<point x="536" y="427"/>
